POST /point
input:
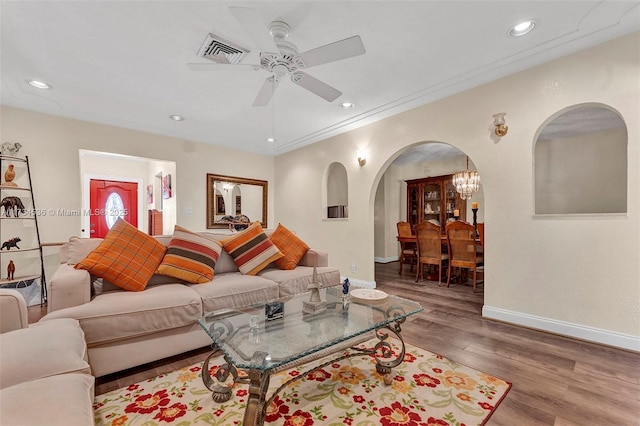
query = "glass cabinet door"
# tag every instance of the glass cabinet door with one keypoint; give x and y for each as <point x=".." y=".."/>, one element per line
<point x="431" y="205"/>
<point x="413" y="205"/>
<point x="453" y="203"/>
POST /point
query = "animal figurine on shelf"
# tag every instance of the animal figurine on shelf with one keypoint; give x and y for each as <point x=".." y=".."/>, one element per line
<point x="9" y="175"/>
<point x="12" y="204"/>
<point x="9" y="148"/>
<point x="12" y="242"/>
<point x="11" y="269"/>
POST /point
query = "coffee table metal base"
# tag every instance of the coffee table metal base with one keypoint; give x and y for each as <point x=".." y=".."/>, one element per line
<point x="257" y="403"/>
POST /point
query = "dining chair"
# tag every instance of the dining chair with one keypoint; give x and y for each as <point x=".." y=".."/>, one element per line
<point x="429" y="248"/>
<point x="461" y="239"/>
<point x="481" y="233"/>
<point x="407" y="249"/>
<point x="480" y="249"/>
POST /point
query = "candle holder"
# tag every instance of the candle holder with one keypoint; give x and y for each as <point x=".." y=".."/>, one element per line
<point x="475" y="220"/>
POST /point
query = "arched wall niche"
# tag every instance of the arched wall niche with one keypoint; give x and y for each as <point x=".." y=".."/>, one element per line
<point x="337" y="191"/>
<point x="580" y="162"/>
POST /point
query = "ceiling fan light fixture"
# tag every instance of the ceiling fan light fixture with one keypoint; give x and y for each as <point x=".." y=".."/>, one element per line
<point x="347" y="105"/>
<point x="524" y="27"/>
<point x="39" y="84"/>
<point x="176" y="117"/>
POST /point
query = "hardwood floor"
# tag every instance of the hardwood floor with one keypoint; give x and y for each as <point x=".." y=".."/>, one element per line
<point x="556" y="380"/>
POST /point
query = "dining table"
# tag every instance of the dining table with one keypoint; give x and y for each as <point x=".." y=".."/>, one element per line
<point x="443" y="239"/>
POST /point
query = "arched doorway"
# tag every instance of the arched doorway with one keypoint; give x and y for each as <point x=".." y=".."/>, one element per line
<point x="420" y="160"/>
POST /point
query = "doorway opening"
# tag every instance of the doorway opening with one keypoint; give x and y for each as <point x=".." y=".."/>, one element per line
<point x="392" y="201"/>
<point x="142" y="200"/>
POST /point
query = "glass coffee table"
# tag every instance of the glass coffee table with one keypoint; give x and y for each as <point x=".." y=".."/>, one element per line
<point x="262" y="347"/>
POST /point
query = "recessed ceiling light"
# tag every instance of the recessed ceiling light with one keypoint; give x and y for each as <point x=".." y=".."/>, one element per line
<point x="176" y="117"/>
<point x="271" y="139"/>
<point x="522" y="28"/>
<point x="347" y="105"/>
<point x="39" y="84"/>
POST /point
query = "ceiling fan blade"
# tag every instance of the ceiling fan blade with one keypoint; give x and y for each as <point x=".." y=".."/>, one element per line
<point x="212" y="66"/>
<point x="316" y="86"/>
<point x="342" y="49"/>
<point x="255" y="28"/>
<point x="266" y="91"/>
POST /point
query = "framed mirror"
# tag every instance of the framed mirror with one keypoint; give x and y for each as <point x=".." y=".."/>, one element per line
<point x="235" y="200"/>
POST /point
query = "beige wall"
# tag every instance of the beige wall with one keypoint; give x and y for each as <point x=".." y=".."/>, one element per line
<point x="53" y="143"/>
<point x="574" y="276"/>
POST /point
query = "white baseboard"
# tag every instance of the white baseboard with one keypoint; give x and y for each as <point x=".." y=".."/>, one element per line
<point x="359" y="283"/>
<point x="386" y="259"/>
<point x="624" y="341"/>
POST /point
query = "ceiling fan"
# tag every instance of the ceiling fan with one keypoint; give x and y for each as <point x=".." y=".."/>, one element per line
<point x="280" y="57"/>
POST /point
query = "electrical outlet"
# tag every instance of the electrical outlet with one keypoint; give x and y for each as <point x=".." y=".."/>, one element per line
<point x="188" y="210"/>
<point x="353" y="268"/>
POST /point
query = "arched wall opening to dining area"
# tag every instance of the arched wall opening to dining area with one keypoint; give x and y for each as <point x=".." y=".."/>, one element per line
<point x="389" y="192"/>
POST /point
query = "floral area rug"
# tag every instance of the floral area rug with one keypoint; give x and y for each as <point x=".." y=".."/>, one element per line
<point x="427" y="389"/>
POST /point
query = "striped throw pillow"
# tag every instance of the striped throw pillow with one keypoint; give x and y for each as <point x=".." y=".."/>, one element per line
<point x="127" y="257"/>
<point x="290" y="245"/>
<point x="251" y="249"/>
<point x="190" y="257"/>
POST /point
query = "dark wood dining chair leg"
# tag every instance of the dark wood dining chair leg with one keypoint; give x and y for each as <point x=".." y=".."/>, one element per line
<point x="414" y="258"/>
<point x="418" y="269"/>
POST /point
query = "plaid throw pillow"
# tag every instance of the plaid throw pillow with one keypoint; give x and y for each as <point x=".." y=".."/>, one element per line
<point x="127" y="257"/>
<point x="251" y="249"/>
<point x="190" y="257"/>
<point x="290" y="245"/>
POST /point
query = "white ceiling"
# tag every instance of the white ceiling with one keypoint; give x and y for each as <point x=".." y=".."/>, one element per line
<point x="123" y="63"/>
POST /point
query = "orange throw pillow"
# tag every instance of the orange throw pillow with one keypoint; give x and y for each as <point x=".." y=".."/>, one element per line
<point x="190" y="257"/>
<point x="127" y="257"/>
<point x="251" y="249"/>
<point x="290" y="245"/>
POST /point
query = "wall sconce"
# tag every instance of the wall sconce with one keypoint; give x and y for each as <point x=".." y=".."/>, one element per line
<point x="501" y="128"/>
<point x="362" y="158"/>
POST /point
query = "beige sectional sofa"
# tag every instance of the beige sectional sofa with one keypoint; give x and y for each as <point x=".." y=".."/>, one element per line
<point x="124" y="329"/>
<point x="45" y="378"/>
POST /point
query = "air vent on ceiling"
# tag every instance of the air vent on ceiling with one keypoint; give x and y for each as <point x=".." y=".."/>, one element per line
<point x="222" y="51"/>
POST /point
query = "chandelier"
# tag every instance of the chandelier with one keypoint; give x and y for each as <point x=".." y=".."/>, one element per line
<point x="466" y="182"/>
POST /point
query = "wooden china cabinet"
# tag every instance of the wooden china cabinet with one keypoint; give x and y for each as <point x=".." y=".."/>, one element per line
<point x="433" y="198"/>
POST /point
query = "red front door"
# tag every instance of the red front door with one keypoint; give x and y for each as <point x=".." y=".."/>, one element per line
<point x="110" y="200"/>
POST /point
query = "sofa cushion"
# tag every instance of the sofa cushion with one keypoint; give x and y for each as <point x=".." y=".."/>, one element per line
<point x="232" y="290"/>
<point x="78" y="248"/>
<point x="64" y="400"/>
<point x="190" y="256"/>
<point x="297" y="280"/>
<point x="118" y="315"/>
<point x="127" y="257"/>
<point x="44" y="349"/>
<point x="100" y="285"/>
<point x="251" y="249"/>
<point x="290" y="245"/>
